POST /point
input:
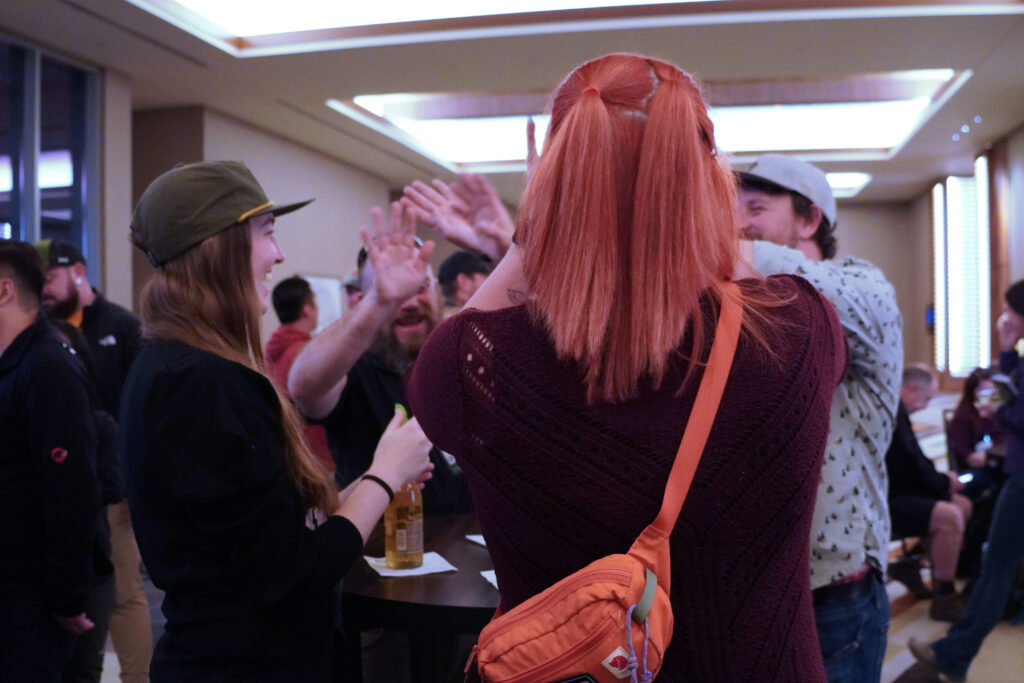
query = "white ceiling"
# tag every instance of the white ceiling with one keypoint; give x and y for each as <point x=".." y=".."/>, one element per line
<point x="286" y="93"/>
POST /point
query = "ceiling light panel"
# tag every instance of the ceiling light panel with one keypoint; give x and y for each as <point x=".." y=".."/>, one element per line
<point x="263" y="17"/>
<point x="805" y="127"/>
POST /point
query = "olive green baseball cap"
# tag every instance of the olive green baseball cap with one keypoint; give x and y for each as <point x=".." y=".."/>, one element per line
<point x="191" y="202"/>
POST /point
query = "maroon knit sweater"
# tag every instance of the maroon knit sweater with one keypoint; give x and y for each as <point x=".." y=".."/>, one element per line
<point x="558" y="482"/>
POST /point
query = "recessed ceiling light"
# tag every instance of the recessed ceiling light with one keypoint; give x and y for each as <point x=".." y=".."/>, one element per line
<point x="828" y="126"/>
<point x="847" y="184"/>
<point x="738" y="130"/>
<point x="262" y="17"/>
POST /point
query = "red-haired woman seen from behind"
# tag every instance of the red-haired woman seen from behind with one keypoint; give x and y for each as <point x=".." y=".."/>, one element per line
<point x="569" y="378"/>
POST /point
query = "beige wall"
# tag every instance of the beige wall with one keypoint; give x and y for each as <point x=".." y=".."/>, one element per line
<point x="116" y="199"/>
<point x="896" y="237"/>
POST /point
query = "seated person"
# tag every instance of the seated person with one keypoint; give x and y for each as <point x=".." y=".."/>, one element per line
<point x="973" y="430"/>
<point x="922" y="501"/>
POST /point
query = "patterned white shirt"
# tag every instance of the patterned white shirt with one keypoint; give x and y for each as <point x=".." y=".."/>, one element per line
<point x="851" y="514"/>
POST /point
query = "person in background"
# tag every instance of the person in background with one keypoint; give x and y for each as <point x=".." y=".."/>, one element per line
<point x="973" y="430"/>
<point x="460" y="275"/>
<point x="49" y="494"/>
<point x="86" y="665"/>
<point x="353" y="290"/>
<point x="351" y="375"/>
<point x="568" y="379"/>
<point x="952" y="655"/>
<point x="923" y="501"/>
<point x="787" y="208"/>
<point x="239" y="525"/>
<point x="295" y="306"/>
<point x="977" y="444"/>
<point x="112" y="333"/>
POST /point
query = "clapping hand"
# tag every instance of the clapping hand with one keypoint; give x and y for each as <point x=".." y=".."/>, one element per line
<point x="400" y="267"/>
<point x="468" y="213"/>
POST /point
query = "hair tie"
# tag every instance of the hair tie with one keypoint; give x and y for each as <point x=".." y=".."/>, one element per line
<point x="590" y="87"/>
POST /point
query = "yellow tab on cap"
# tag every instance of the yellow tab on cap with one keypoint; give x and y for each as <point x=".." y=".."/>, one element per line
<point x="253" y="211"/>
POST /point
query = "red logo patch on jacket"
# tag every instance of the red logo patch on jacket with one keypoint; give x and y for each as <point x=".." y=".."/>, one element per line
<point x="58" y="454"/>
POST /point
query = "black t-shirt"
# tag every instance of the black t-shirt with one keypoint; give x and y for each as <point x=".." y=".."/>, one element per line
<point x="114" y="339"/>
<point x="356" y="423"/>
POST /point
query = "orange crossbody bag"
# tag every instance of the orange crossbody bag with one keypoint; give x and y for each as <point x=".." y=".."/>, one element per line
<point x="612" y="620"/>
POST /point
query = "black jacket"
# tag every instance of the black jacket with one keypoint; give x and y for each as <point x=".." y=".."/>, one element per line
<point x="113" y="336"/>
<point x="911" y="473"/>
<point x="49" y="496"/>
<point x="221" y="527"/>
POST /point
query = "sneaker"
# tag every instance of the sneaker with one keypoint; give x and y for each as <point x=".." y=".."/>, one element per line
<point x="946" y="607"/>
<point x="909" y="575"/>
<point x="924" y="654"/>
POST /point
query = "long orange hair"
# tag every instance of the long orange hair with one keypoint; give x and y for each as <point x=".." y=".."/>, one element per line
<point x="206" y="298"/>
<point x="627" y="220"/>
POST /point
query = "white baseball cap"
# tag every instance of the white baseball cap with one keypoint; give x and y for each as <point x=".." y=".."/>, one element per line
<point x="797" y="176"/>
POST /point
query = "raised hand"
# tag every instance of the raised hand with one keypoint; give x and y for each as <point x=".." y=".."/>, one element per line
<point x="468" y="213"/>
<point x="531" y="148"/>
<point x="399" y="267"/>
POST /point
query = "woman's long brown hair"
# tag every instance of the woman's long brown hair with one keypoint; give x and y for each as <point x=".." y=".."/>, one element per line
<point x="627" y="221"/>
<point x="206" y="298"/>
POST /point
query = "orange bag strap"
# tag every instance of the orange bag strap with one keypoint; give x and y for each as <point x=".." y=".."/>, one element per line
<point x="705" y="407"/>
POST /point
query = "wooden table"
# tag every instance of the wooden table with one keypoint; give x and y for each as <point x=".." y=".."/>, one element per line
<point x="431" y="607"/>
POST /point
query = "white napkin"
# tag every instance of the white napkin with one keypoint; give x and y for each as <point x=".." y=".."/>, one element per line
<point x="491" y="577"/>
<point x="433" y="563"/>
<point x="477" y="538"/>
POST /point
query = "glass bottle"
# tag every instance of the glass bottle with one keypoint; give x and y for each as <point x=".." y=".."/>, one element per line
<point x="403" y="529"/>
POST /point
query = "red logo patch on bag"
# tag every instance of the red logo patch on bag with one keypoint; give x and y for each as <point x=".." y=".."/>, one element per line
<point x="58" y="454"/>
<point x="618" y="663"/>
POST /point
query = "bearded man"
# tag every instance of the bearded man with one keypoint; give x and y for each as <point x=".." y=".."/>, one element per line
<point x="351" y="376"/>
<point x="111" y="331"/>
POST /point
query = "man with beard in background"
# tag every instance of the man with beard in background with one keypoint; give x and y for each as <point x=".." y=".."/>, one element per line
<point x="352" y="374"/>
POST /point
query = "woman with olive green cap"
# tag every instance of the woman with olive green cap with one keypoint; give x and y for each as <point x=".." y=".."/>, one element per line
<point x="236" y="521"/>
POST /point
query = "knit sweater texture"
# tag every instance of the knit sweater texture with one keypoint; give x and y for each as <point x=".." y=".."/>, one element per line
<point x="559" y="482"/>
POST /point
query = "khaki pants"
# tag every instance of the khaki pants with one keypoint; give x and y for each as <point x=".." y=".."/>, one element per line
<point x="130" y="629"/>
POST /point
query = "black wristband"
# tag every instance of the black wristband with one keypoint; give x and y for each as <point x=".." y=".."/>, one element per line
<point x="383" y="485"/>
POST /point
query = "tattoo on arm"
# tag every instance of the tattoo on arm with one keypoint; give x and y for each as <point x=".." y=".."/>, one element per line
<point x="517" y="296"/>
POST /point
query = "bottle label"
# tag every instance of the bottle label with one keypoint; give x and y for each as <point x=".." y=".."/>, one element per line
<point x="401" y="540"/>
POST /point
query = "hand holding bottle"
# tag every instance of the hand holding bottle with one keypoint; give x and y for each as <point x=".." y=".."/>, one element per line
<point x="402" y="455"/>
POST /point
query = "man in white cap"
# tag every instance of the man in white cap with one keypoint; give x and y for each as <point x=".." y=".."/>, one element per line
<point x="786" y="206"/>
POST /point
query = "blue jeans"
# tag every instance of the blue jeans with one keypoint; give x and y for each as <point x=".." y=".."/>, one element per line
<point x="852" y="634"/>
<point x="988" y="598"/>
